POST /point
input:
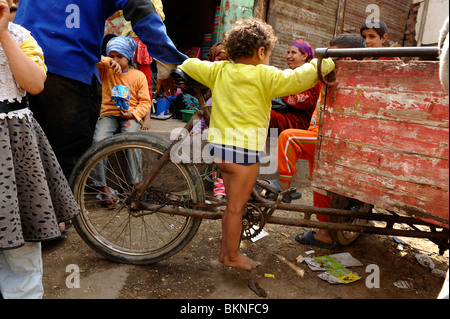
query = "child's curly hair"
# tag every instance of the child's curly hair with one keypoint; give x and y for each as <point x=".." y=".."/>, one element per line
<point x="247" y="36"/>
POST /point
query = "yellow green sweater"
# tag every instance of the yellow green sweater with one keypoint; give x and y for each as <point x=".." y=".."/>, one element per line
<point x="242" y="95"/>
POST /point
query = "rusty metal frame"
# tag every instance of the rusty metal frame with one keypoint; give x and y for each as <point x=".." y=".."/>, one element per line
<point x="210" y="211"/>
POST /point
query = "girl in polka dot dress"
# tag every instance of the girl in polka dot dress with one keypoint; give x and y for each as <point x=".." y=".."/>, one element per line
<point x="34" y="194"/>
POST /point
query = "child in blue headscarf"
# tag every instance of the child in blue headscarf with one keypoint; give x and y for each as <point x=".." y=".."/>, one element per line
<point x="125" y="102"/>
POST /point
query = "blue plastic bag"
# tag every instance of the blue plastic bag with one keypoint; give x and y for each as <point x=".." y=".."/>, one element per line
<point x="120" y="95"/>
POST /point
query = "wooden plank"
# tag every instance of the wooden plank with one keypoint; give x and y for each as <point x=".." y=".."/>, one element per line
<point x="380" y="161"/>
<point x="421" y="108"/>
<point x="405" y="137"/>
<point x="384" y="138"/>
<point x="399" y="196"/>
<point x="393" y="76"/>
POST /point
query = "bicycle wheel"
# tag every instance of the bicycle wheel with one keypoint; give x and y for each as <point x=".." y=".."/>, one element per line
<point x="122" y="234"/>
<point x="345" y="237"/>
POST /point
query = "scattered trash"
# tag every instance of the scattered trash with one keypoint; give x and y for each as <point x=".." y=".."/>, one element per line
<point x="299" y="259"/>
<point x="345" y="259"/>
<point x="400" y="247"/>
<point x="256" y="288"/>
<point x="333" y="267"/>
<point x="269" y="275"/>
<point x="402" y="284"/>
<point x="399" y="240"/>
<point x="425" y="260"/>
<point x="332" y="279"/>
<point x="285" y="234"/>
<point x="252" y="230"/>
<point x="113" y="191"/>
<point x="262" y="234"/>
<point x="309" y="252"/>
<point x="438" y="273"/>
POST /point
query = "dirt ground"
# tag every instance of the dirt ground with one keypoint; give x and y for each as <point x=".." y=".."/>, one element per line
<point x="195" y="273"/>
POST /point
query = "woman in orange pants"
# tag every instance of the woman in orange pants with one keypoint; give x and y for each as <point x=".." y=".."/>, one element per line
<point x="295" y="144"/>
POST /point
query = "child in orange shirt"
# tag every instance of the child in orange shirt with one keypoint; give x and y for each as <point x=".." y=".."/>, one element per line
<point x="116" y="70"/>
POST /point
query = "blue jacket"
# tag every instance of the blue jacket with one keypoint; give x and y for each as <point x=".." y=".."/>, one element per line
<point x="71" y="32"/>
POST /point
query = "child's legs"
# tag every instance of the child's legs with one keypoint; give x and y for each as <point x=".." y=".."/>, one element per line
<point x="134" y="158"/>
<point x="293" y="145"/>
<point x="21" y="272"/>
<point x="106" y="126"/>
<point x="319" y="200"/>
<point x="219" y="188"/>
<point x="322" y="201"/>
<point x="239" y="181"/>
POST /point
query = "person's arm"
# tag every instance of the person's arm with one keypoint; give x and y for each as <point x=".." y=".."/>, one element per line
<point x="301" y="79"/>
<point x="143" y="98"/>
<point x="150" y="29"/>
<point x="202" y="71"/>
<point x="146" y="122"/>
<point x="28" y="74"/>
<point x="107" y="62"/>
<point x="159" y="8"/>
<point x="305" y="100"/>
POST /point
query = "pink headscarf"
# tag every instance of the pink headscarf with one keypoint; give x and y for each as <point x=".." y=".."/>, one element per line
<point x="305" y="48"/>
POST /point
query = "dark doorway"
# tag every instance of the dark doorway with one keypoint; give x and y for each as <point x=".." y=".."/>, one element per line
<point x="187" y="22"/>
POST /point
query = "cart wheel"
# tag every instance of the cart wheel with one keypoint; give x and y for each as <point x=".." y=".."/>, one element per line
<point x="344" y="237"/>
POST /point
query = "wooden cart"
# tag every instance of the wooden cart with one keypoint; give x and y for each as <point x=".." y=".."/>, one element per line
<point x="384" y="139"/>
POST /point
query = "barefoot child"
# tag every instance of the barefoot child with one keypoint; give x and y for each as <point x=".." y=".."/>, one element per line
<point x="34" y="193"/>
<point x="242" y="91"/>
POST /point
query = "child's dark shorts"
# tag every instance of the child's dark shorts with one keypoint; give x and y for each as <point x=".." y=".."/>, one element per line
<point x="235" y="154"/>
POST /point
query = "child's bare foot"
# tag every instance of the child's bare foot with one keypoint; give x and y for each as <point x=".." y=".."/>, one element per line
<point x="241" y="261"/>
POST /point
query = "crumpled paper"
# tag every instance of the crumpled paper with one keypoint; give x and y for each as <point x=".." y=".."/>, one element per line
<point x="333" y="267"/>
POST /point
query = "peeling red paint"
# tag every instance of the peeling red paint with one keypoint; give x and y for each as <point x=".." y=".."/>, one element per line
<point x="384" y="138"/>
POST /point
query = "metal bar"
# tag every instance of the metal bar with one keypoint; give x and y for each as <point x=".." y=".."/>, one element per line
<point x="213" y="214"/>
<point x="431" y="52"/>
<point x="180" y="211"/>
<point x="349" y="214"/>
<point x="356" y="228"/>
<point x="441" y="237"/>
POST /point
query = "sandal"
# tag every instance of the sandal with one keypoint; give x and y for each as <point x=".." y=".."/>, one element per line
<point x="106" y="195"/>
<point x="308" y="239"/>
<point x="67" y="225"/>
<point x="274" y="188"/>
<point x="110" y="200"/>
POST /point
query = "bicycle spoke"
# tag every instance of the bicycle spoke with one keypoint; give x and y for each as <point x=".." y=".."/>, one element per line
<point x="135" y="235"/>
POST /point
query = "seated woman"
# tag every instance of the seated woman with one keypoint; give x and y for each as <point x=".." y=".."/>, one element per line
<point x="300" y="106"/>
